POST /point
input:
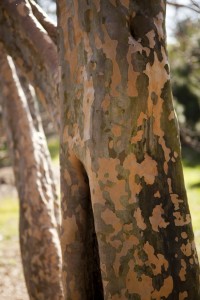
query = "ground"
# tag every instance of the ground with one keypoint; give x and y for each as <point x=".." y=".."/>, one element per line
<point x="12" y="285"/>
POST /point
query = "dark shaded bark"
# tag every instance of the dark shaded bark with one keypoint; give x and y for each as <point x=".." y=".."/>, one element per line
<point x="40" y="246"/>
<point x="118" y="126"/>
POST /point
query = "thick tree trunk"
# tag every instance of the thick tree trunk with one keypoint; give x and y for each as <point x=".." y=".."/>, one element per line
<point x="40" y="247"/>
<point x="32" y="49"/>
<point x="119" y="129"/>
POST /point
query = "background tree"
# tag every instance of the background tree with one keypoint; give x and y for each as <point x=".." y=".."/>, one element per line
<point x="185" y="59"/>
<point x="39" y="212"/>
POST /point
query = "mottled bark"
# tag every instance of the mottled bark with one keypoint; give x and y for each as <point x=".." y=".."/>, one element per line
<point x="32" y="49"/>
<point x="40" y="246"/>
<point x="120" y="145"/>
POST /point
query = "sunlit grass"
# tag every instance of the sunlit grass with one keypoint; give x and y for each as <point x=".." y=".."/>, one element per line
<point x="53" y="144"/>
<point x="9" y="218"/>
<point x="192" y="182"/>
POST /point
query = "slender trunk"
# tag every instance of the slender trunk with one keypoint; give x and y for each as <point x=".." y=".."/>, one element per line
<point x="37" y="123"/>
<point x="39" y="240"/>
<point x="118" y="126"/>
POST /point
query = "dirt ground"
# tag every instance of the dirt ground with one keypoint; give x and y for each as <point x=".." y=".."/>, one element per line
<point x="12" y="285"/>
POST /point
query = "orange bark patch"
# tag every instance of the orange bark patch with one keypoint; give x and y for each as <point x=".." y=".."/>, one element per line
<point x="69" y="235"/>
<point x="158" y="21"/>
<point x="125" y="3"/>
<point x="151" y="36"/>
<point x="110" y="218"/>
<point x="106" y="103"/>
<point x="186" y="249"/>
<point x="149" y="169"/>
<point x="156" y="262"/>
<point x="181" y="220"/>
<point x="116" y="130"/>
<point x="87" y="103"/>
<point x="67" y="177"/>
<point x="184" y="235"/>
<point x="109" y="48"/>
<point x="141" y="118"/>
<point x="171" y="116"/>
<point x="139" y="219"/>
<point x="157" y="78"/>
<point x="157" y="194"/>
<point x="137" y="137"/>
<point x="157" y="221"/>
<point x="165" y="290"/>
<point x="183" y="296"/>
<point x="176" y="201"/>
<point x="182" y="272"/>
<point x="138" y="285"/>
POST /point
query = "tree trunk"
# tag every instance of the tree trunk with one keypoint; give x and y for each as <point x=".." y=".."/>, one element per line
<point x="119" y="130"/>
<point x="40" y="246"/>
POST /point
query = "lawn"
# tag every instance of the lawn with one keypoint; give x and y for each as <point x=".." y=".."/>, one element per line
<point x="191" y="167"/>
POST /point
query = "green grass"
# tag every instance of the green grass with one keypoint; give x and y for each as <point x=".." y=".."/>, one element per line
<point x="191" y="167"/>
<point x="9" y="218"/>
<point x="53" y="144"/>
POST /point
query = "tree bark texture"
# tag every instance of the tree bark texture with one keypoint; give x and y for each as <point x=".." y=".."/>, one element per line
<point x="38" y="56"/>
<point x="120" y="146"/>
<point x="37" y="123"/>
<point x="40" y="246"/>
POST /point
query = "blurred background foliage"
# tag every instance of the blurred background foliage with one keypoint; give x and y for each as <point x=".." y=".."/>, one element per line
<point x="184" y="58"/>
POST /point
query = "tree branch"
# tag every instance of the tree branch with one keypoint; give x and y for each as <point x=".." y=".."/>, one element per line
<point x="44" y="20"/>
<point x="195" y="7"/>
<point x="38" y="57"/>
